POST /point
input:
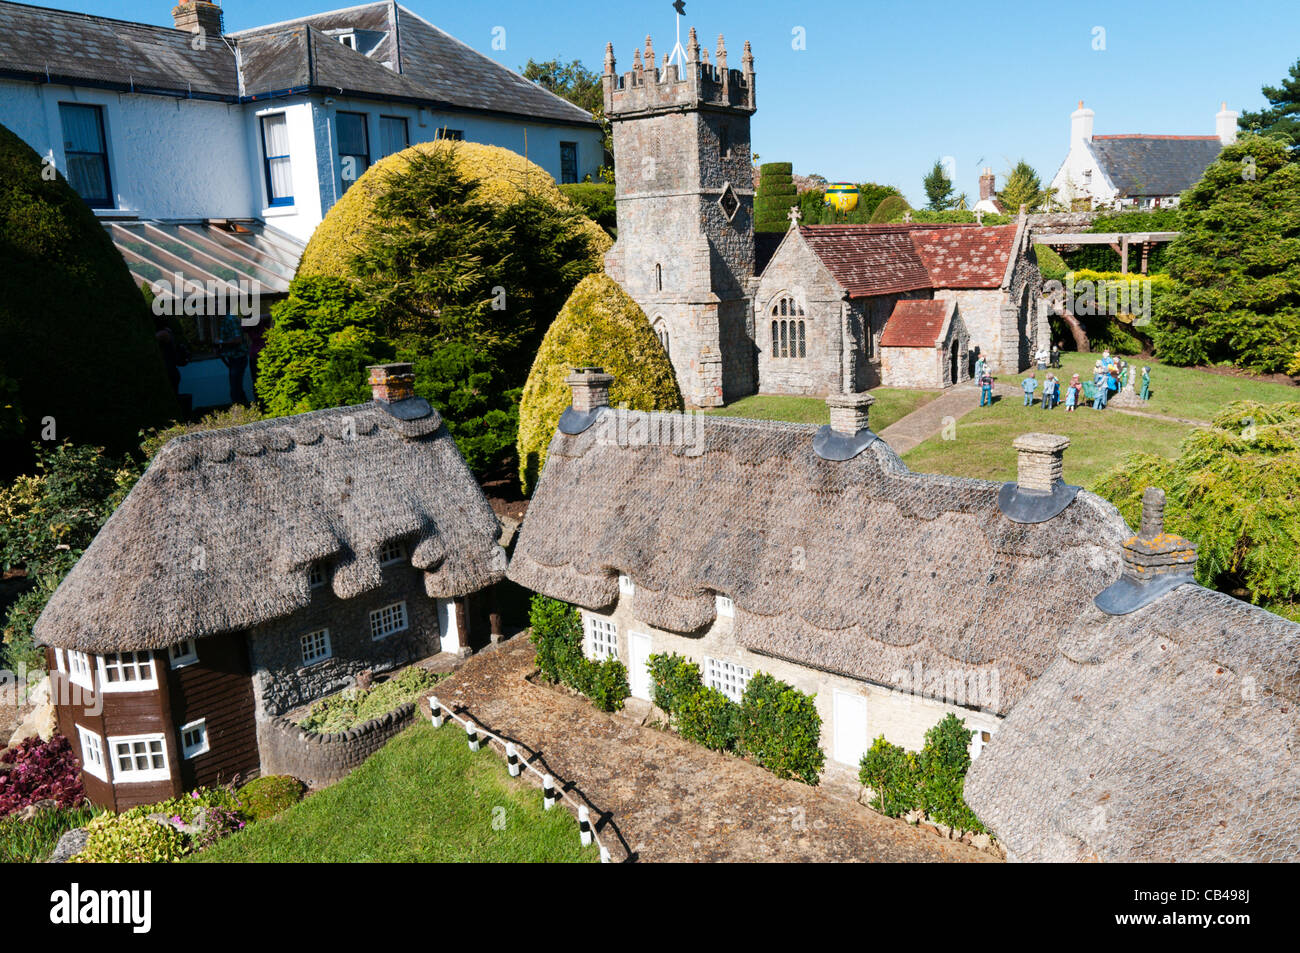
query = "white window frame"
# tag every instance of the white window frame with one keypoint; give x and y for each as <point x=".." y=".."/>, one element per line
<point x="60" y="665"/>
<point x="316" y="576"/>
<point x="316" y="659"/>
<point x="392" y="553"/>
<point x="182" y="659"/>
<point x="397" y="610"/>
<point x="725" y="607"/>
<point x="625" y="585"/>
<point x="92" y="753"/>
<point x="977" y="742"/>
<point x="80" y="671"/>
<point x="602" y="638"/>
<point x="730" y="678"/>
<point x="138" y="775"/>
<point x="134" y="685"/>
<point x="189" y="751"/>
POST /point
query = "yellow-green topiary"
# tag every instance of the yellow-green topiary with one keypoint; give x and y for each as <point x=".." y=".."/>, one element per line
<point x="599" y="326"/>
<point x="502" y="177"/>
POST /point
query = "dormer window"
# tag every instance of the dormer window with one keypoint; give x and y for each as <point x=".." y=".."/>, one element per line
<point x="316" y="576"/>
<point x="349" y="40"/>
<point x="392" y="553"/>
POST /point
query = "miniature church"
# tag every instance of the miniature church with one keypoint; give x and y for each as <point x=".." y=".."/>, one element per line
<point x="838" y="308"/>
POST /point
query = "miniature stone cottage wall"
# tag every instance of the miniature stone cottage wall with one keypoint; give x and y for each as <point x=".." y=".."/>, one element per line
<point x="323" y="758"/>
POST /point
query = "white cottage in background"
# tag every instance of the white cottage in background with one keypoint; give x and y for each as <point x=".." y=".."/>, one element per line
<point x="271" y="124"/>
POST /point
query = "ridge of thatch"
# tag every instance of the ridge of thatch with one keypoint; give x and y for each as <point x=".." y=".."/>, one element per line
<point x="860" y="567"/>
<point x="221" y="531"/>
<point x="1166" y="735"/>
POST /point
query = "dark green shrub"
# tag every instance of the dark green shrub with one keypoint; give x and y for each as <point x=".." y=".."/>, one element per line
<point x="775" y="194"/>
<point x="943" y="763"/>
<point x="709" y="718"/>
<point x="780" y="729"/>
<point x="557" y="633"/>
<point x="266" y="797"/>
<point x="892" y="773"/>
<point x="675" y="678"/>
<point x="606" y="683"/>
<point x="75" y="333"/>
<point x="890" y="207"/>
<point x="596" y="199"/>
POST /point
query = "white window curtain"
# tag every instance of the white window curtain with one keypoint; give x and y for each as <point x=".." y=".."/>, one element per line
<point x="275" y="135"/>
<point x="84" y="150"/>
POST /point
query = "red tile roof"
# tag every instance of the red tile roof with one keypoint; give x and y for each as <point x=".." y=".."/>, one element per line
<point x="869" y="260"/>
<point x="914" y="323"/>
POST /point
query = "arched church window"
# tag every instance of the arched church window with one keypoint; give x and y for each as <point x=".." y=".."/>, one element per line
<point x="661" y="332"/>
<point x="659" y="277"/>
<point x="789" y="336"/>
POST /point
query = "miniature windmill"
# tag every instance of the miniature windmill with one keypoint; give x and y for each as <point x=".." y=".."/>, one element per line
<point x="678" y="54"/>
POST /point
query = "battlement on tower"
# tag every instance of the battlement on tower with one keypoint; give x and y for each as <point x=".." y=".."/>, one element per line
<point x="653" y="87"/>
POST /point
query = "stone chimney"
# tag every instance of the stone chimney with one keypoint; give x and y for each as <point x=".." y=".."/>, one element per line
<point x="1225" y="124"/>
<point x="390" y="383"/>
<point x="850" y="413"/>
<point x="1081" y="125"/>
<point x="1040" y="460"/>
<point x="987" y="180"/>
<point x="1153" y="552"/>
<point x="194" y="15"/>
<point x="590" y="386"/>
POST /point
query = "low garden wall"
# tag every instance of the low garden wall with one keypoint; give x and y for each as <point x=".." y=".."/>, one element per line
<point x="317" y="758"/>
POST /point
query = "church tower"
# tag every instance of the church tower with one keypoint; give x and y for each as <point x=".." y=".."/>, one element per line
<point x="685" y="200"/>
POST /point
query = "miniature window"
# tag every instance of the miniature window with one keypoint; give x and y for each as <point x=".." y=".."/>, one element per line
<point x="727" y="677"/>
<point x="316" y="576"/>
<point x="977" y="742"/>
<point x="602" y="636"/>
<point x="626" y="586"/>
<point x="315" y="646"/>
<point x="455" y="135"/>
<point x="60" y="665"/>
<point x="139" y="758"/>
<point x="384" y="622"/>
<point x="92" y="753"/>
<point x="789" y="338"/>
<point x="568" y="163"/>
<point x="659" y="277"/>
<point x="194" y="739"/>
<point x="183" y="653"/>
<point x="661" y="332"/>
<point x="725" y="606"/>
<point x="79" y="669"/>
<point x="349" y="40"/>
<point x="728" y="202"/>
<point x="127" y="672"/>
<point x="392" y="552"/>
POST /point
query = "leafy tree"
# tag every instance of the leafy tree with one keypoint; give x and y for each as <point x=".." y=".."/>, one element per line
<point x="1231" y="490"/>
<point x="1281" y="119"/>
<point x="1236" y="262"/>
<point x="943" y="764"/>
<point x="580" y="86"/>
<point x="938" y="188"/>
<point x="596" y="199"/>
<point x="870" y="195"/>
<point x="463" y="384"/>
<point x="1023" y="187"/>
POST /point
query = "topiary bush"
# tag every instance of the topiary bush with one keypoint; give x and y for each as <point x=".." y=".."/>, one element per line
<point x="556" y="630"/>
<point x="890" y="207"/>
<point x="599" y="326"/>
<point x="780" y="729"/>
<point x="76" y="336"/>
<point x="268" y="796"/>
<point x="942" y="764"/>
<point x="775" y="194"/>
<point x="40" y="771"/>
<point x="605" y="683"/>
<point x="674" y="679"/>
<point x="709" y="718"/>
<point x="892" y="773"/>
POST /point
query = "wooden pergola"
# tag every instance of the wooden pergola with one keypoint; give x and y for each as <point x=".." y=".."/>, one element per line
<point x="1120" y="242"/>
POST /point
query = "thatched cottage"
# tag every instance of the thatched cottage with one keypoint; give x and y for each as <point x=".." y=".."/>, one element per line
<point x="255" y="569"/>
<point x="814" y="554"/>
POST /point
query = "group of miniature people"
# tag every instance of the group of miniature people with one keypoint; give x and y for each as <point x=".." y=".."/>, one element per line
<point x="1110" y="376"/>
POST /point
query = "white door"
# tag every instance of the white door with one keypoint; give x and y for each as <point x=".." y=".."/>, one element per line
<point x="638" y="664"/>
<point x="850" y="728"/>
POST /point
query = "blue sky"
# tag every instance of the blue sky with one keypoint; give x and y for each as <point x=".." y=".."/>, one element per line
<point x="885" y="87"/>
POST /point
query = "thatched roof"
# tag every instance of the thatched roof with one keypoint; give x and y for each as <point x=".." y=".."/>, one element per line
<point x="858" y="567"/>
<point x="1171" y="734"/>
<point x="221" y="531"/>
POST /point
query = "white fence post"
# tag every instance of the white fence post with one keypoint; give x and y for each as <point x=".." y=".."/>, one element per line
<point x="604" y="854"/>
<point x="548" y="793"/>
<point x="584" y="825"/>
<point x="512" y="760"/>
<point x="435" y="712"/>
<point x="472" y="737"/>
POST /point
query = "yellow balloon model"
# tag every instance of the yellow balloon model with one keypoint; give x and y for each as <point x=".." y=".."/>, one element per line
<point x="842" y="196"/>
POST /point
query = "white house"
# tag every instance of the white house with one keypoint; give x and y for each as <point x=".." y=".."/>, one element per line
<point x="272" y="124"/>
<point x="1135" y="171"/>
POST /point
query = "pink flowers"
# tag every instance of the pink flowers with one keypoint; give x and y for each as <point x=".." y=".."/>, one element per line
<point x="42" y="771"/>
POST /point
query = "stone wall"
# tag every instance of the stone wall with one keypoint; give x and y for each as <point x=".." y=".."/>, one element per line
<point x="319" y="759"/>
<point x="280" y="680"/>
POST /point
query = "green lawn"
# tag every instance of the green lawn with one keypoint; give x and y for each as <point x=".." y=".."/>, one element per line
<point x="1098" y="439"/>
<point x="425" y="797"/>
<point x="892" y="403"/>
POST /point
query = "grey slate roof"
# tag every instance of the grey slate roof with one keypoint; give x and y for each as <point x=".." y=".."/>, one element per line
<point x="1141" y="166"/>
<point x="399" y="56"/>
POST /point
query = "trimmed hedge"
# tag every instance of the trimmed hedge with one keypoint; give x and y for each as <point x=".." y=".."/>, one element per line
<point x="598" y="326"/>
<point x="556" y="630"/>
<point x="931" y="780"/>
<point x="889" y="207"/>
<point x="776" y="193"/>
<point x="76" y="336"/>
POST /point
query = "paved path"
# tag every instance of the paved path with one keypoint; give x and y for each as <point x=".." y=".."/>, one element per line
<point x="926" y="421"/>
<point x="661" y="798"/>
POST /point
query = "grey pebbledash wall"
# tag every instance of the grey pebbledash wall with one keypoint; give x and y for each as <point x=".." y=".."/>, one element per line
<point x="280" y="680"/>
<point x="319" y="759"/>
